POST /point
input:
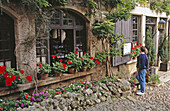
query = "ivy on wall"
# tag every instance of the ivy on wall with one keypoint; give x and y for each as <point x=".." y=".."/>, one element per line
<point x="161" y="6"/>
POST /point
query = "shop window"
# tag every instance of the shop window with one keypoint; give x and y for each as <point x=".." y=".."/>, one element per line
<point x="135" y="28"/>
<point x="68" y="33"/>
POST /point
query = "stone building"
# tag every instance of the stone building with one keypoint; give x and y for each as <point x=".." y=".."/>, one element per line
<point x="19" y="48"/>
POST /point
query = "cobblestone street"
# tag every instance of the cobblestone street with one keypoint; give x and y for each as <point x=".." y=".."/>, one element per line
<point x="155" y="99"/>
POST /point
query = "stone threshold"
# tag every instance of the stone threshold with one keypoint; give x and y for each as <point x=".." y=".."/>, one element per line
<point x="51" y="80"/>
<point x="131" y="61"/>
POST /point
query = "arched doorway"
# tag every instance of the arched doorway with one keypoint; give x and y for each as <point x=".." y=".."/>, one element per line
<point x="7" y="41"/>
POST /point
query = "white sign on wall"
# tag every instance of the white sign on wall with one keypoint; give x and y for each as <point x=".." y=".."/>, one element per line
<point x="127" y="48"/>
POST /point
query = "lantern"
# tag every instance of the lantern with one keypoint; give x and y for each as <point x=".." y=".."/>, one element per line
<point x="161" y="25"/>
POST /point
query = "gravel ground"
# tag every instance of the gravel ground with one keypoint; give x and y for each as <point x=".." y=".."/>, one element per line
<point x="155" y="99"/>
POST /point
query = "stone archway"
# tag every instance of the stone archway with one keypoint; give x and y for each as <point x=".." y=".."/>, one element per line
<point x="7" y="41"/>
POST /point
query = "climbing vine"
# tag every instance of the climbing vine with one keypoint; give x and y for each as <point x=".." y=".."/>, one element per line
<point x="161" y="6"/>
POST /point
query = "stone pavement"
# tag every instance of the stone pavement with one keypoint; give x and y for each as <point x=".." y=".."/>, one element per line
<point x="164" y="76"/>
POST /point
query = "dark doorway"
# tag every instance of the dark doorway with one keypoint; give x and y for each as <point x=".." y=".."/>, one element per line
<point x="7" y="41"/>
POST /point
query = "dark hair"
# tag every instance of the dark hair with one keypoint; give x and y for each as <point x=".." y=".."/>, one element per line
<point x="142" y="48"/>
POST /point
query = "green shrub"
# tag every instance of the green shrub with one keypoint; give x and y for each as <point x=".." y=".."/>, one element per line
<point x="154" y="78"/>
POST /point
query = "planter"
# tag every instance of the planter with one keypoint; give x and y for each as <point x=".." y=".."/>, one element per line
<point x="71" y="70"/>
<point x="153" y="70"/>
<point x="165" y="66"/>
<point x="44" y="76"/>
<point x="134" y="58"/>
<point x="84" y="70"/>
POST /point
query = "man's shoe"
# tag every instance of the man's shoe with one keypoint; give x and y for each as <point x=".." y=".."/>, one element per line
<point x="140" y="93"/>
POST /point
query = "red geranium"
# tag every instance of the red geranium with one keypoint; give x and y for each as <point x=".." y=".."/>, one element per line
<point x="81" y="58"/>
<point x="1" y="107"/>
<point x="11" y="78"/>
<point x="77" y="55"/>
<point x="5" y="74"/>
<point x="84" y="53"/>
<point x="69" y="62"/>
<point x="140" y="44"/>
<point x="75" y="52"/>
<point x="86" y="87"/>
<point x="91" y="58"/>
<point x="58" y="56"/>
<point x="81" y="81"/>
<point x="26" y="97"/>
<point x="60" y="92"/>
<point x="60" y="60"/>
<point x="133" y="48"/>
<point x="97" y="62"/>
<point x="29" y="78"/>
<point x="64" y="65"/>
<point x="8" y="82"/>
<point x="40" y="65"/>
<point x="30" y="97"/>
<point x="56" y="92"/>
<point x="133" y="51"/>
<point x="18" y="77"/>
<point x="2" y="69"/>
<point x="53" y="56"/>
<point x="22" y="71"/>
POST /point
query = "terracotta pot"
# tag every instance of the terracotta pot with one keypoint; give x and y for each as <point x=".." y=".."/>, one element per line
<point x="71" y="70"/>
<point x="134" y="58"/>
<point x="84" y="70"/>
<point x="44" y="76"/>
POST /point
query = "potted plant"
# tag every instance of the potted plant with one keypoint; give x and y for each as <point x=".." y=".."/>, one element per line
<point x="164" y="53"/>
<point x="9" y="77"/>
<point x="135" y="51"/>
<point x="73" y="63"/>
<point x="87" y="63"/>
<point x="58" y="68"/>
<point x="149" y="42"/>
<point x="154" y="78"/>
<point x="44" y="70"/>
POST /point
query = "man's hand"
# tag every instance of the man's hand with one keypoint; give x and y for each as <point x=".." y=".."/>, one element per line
<point x="137" y="73"/>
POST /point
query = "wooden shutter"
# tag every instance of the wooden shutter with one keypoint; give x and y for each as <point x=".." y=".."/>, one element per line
<point x="125" y="28"/>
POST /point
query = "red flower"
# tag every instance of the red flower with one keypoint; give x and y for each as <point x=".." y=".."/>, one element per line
<point x="134" y="52"/>
<point x="77" y="55"/>
<point x="5" y="74"/>
<point x="81" y="81"/>
<point x="60" y="92"/>
<point x="58" y="56"/>
<point x="11" y="78"/>
<point x="8" y="82"/>
<point x="86" y="87"/>
<point x="53" y="56"/>
<point x="64" y="65"/>
<point x="29" y="78"/>
<point x="81" y="58"/>
<point x="60" y="60"/>
<point x="27" y="94"/>
<point x="56" y="92"/>
<point x="84" y="53"/>
<point x="1" y="107"/>
<point x="2" y="69"/>
<point x="22" y="71"/>
<point x="26" y="97"/>
<point x="75" y="52"/>
<point x="69" y="62"/>
<point x="140" y="44"/>
<point x="30" y="97"/>
<point x="133" y="48"/>
<point x="136" y="42"/>
<point x="18" y="77"/>
<point x="97" y="62"/>
<point x="91" y="58"/>
<point x="40" y="65"/>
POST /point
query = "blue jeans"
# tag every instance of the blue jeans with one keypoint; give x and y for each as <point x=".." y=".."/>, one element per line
<point x="141" y="79"/>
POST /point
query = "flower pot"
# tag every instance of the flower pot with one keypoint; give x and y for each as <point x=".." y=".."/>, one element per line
<point x="134" y="58"/>
<point x="44" y="76"/>
<point x="164" y="66"/>
<point x="58" y="74"/>
<point x="71" y="70"/>
<point x="84" y="70"/>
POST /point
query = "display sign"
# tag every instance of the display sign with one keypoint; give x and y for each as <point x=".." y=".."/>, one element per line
<point x="127" y="48"/>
